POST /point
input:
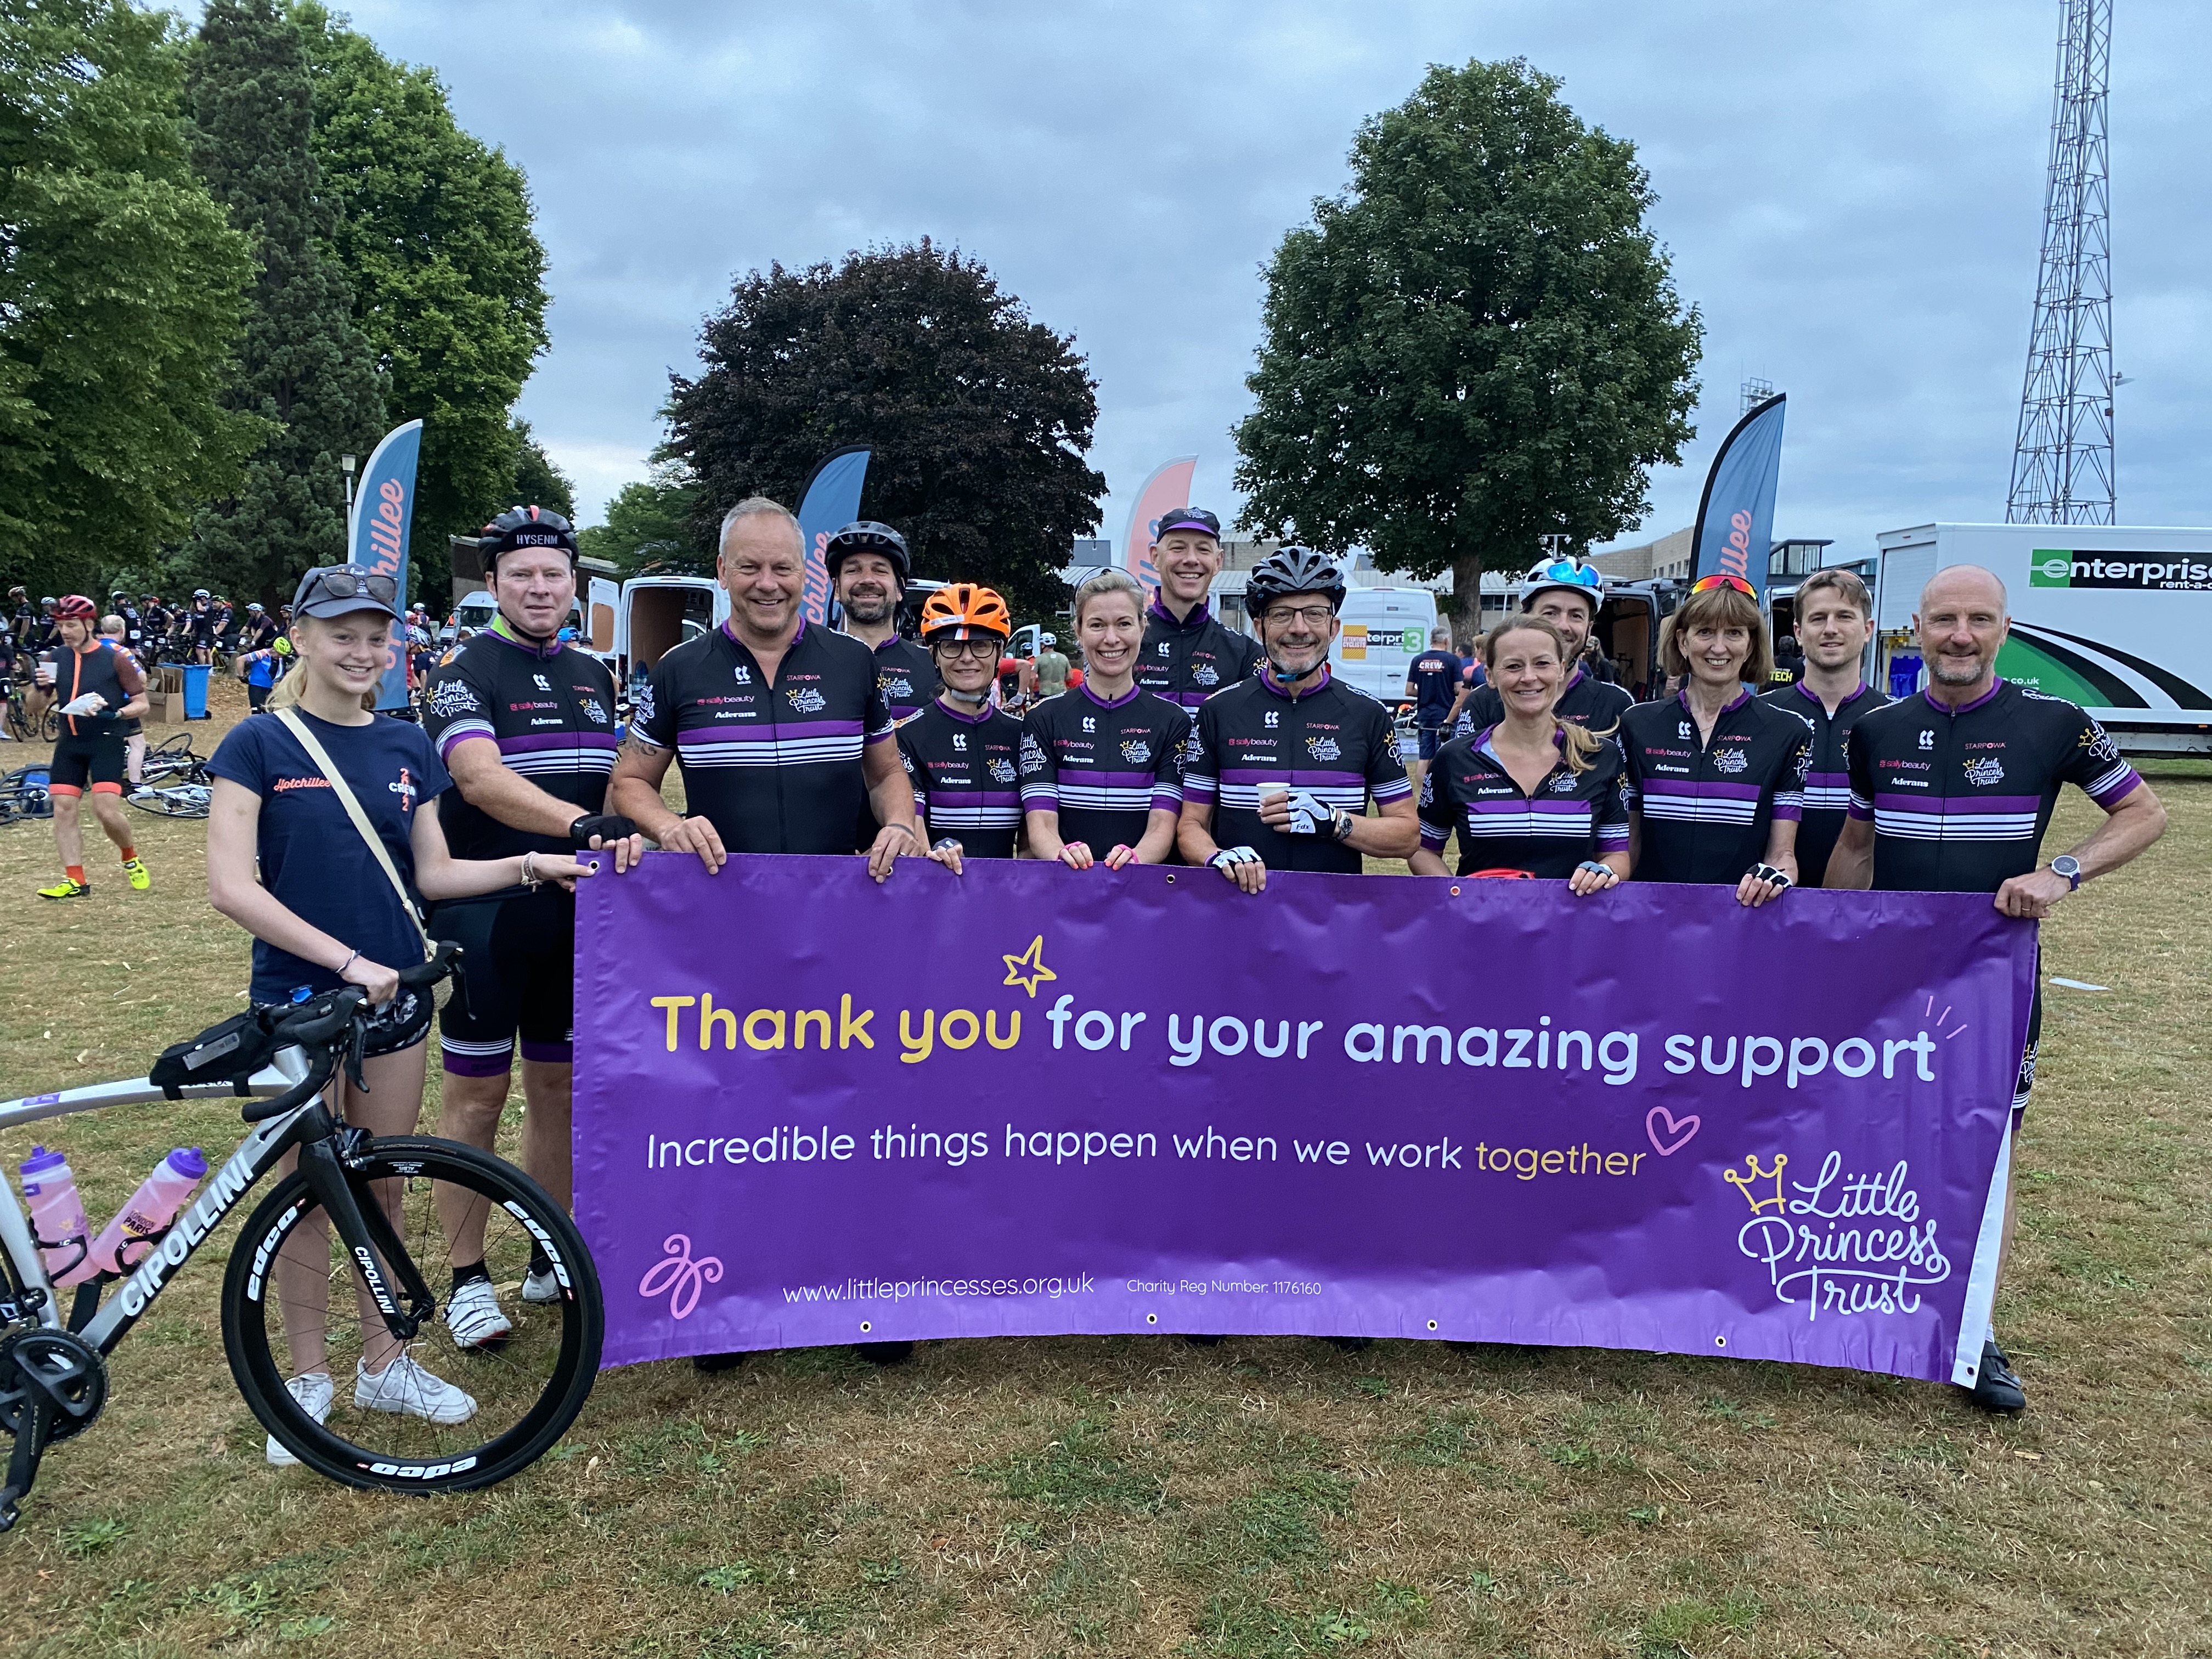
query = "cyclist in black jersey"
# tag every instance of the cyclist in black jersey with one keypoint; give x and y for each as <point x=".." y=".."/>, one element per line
<point x="1566" y="593"/>
<point x="1188" y="655"/>
<point x="1834" y="620"/>
<point x="1101" y="764"/>
<point x="526" y="726"/>
<point x="96" y="686"/>
<point x="1534" y="795"/>
<point x="1952" y="791"/>
<point x="869" y="570"/>
<point x="1716" y="777"/>
<point x="963" y="755"/>
<point x="1282" y="765"/>
<point x="780" y="725"/>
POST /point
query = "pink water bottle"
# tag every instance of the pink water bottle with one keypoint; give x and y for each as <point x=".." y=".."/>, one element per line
<point x="57" y="1217"/>
<point x="122" y="1244"/>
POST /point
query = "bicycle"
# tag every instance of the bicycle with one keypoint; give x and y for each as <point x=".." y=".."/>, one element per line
<point x="174" y="782"/>
<point x="23" y="795"/>
<point x="53" y="1372"/>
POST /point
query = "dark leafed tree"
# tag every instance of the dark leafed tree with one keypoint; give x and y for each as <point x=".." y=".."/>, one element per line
<point x="1477" y="343"/>
<point x="979" y="417"/>
<point x="303" y="366"/>
<point x="122" y="290"/>
<point x="433" y="229"/>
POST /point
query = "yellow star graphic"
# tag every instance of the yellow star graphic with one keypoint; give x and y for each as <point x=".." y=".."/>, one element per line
<point x="1027" y="968"/>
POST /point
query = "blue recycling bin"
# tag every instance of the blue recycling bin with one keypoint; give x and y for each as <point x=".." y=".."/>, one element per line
<point x="196" y="685"/>
<point x="1903" y="676"/>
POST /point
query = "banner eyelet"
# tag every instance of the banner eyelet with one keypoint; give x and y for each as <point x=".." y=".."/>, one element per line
<point x="866" y="1326"/>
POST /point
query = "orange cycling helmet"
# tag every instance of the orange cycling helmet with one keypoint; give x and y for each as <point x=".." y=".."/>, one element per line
<point x="962" y="606"/>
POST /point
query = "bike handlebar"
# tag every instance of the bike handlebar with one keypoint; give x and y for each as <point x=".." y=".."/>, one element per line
<point x="329" y="1022"/>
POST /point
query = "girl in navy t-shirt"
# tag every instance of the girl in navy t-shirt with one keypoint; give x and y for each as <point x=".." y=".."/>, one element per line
<point x="322" y="914"/>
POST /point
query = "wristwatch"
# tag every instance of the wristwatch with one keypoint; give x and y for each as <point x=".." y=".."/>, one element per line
<point x="2068" y="866"/>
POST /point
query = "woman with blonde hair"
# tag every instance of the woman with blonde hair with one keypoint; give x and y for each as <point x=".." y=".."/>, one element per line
<point x="1533" y="795"/>
<point x="1715" y="777"/>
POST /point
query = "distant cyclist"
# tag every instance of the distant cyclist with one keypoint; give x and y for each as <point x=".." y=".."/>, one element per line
<point x="1187" y="654"/>
<point x="96" y="687"/>
<point x="525" y="725"/>
<point x="198" y="623"/>
<point x="1281" y="766"/>
<point x="258" y="668"/>
<point x="114" y="630"/>
<point x="1433" y="686"/>
<point x="1101" y="764"/>
<point x="1049" y="677"/>
<point x="1835" y="621"/>
<point x="963" y="755"/>
<point x="1566" y="593"/>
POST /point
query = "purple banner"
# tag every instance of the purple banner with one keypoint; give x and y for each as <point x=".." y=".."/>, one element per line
<point x="1026" y="1101"/>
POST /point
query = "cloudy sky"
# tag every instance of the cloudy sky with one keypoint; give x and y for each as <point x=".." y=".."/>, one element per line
<point x="1851" y="193"/>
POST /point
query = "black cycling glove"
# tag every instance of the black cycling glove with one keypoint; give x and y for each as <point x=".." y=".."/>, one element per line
<point x="609" y="827"/>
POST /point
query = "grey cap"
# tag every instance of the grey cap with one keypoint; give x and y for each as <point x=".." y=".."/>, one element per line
<point x="341" y="589"/>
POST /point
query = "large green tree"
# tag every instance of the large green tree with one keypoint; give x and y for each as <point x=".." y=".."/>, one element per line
<point x="121" y="296"/>
<point x="303" y="366"/>
<point x="433" y="229"/>
<point x="1476" y="344"/>
<point x="535" y="480"/>
<point x="979" y="417"/>
<point x="652" y="525"/>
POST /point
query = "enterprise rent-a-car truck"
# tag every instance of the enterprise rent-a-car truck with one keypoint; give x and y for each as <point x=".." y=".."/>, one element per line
<point x="2118" y="620"/>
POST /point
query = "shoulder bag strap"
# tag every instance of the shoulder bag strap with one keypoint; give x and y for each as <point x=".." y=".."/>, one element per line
<point x="316" y="753"/>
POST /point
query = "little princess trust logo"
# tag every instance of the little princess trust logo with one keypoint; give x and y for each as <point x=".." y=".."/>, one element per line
<point x="1846" y="1244"/>
<point x="678" y="1278"/>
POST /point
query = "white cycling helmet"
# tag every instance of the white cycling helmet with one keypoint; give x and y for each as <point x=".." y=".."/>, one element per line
<point x="1576" y="575"/>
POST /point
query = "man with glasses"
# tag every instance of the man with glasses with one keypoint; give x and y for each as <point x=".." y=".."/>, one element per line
<point x="1280" y="768"/>
<point x="1566" y="593"/>
<point x="525" y="725"/>
<point x="1188" y="655"/>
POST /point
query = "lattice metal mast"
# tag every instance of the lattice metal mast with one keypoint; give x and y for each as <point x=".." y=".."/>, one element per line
<point x="2062" y="466"/>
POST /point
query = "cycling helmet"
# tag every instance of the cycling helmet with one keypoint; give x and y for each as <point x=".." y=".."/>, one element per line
<point x="866" y="536"/>
<point x="201" y="594"/>
<point x="1290" y="570"/>
<point x="1045" y="641"/>
<point x="1576" y="575"/>
<point x="78" y="606"/>
<point x="525" y="527"/>
<point x="284" y="646"/>
<point x="963" y="610"/>
<point x="253" y="608"/>
<point x="48" y="602"/>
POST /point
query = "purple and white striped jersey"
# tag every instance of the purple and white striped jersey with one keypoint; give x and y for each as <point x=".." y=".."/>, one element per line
<point x="967" y="777"/>
<point x="551" y="712"/>
<point x="1332" y="740"/>
<point x="1828" y="785"/>
<point x="1572" y="817"/>
<point x="1961" y="798"/>
<point x="775" y="767"/>
<point x="1104" y="767"/>
<point x="1707" y="807"/>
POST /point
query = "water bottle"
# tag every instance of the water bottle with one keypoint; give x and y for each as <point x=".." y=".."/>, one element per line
<point x="122" y="1244"/>
<point x="58" y="1219"/>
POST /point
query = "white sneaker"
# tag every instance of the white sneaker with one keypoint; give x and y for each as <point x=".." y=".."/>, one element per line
<point x="312" y="1389"/>
<point x="403" y="1386"/>
<point x="472" y="1316"/>
<point x="541" y="1287"/>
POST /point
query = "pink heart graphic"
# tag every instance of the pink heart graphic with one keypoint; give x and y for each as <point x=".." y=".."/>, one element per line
<point x="1679" y="1130"/>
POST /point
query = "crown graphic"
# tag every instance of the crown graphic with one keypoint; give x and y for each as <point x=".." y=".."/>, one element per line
<point x="1743" y="1183"/>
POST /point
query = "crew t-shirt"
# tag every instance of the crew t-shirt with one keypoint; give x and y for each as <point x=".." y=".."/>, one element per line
<point x="1828" y="782"/>
<point x="967" y="777"/>
<point x="1435" y="677"/>
<point x="775" y="768"/>
<point x="1572" y="817"/>
<point x="1961" y="798"/>
<point x="1335" y="742"/>
<point x="1707" y="807"/>
<point x="313" y="861"/>
<point x="1104" y="767"/>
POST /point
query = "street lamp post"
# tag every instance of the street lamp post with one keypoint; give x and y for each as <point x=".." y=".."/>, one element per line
<point x="346" y="463"/>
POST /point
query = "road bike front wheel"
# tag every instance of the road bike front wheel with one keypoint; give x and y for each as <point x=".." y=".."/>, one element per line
<point x="291" y="1296"/>
<point x="179" y="800"/>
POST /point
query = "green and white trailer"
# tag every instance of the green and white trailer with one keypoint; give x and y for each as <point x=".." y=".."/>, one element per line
<point x="2117" y="619"/>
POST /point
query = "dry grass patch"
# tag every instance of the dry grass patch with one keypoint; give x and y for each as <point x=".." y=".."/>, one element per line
<point x="1144" y="1496"/>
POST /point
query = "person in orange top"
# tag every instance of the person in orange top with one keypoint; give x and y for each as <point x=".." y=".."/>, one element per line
<point x="97" y="687"/>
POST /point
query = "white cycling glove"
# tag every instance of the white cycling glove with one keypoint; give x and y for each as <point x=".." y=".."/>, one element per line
<point x="1224" y="857"/>
<point x="1309" y="814"/>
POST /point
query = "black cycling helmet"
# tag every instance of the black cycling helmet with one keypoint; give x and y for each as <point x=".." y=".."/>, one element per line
<point x="525" y="527"/>
<point x="1290" y="570"/>
<point x="866" y="536"/>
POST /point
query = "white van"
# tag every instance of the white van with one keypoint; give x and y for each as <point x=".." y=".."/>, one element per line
<point x="1384" y="629"/>
<point x="629" y="626"/>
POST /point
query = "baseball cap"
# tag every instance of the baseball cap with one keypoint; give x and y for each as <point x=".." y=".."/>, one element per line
<point x="339" y="590"/>
<point x="1187" y="518"/>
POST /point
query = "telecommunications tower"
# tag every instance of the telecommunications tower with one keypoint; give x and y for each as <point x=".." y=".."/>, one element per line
<point x="2062" y="463"/>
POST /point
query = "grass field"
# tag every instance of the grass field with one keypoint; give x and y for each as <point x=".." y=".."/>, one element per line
<point x="1144" y="1496"/>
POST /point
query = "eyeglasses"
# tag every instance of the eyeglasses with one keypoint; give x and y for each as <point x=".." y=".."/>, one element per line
<point x="338" y="582"/>
<point x="1313" y="615"/>
<point x="986" y="648"/>
<point x="1706" y="584"/>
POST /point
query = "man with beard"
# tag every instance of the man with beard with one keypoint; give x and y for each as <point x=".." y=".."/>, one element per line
<point x="869" y="570"/>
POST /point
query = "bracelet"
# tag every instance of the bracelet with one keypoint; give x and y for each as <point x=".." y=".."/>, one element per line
<point x="529" y="865"/>
<point x="910" y="832"/>
<point x="352" y="956"/>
